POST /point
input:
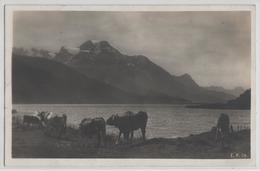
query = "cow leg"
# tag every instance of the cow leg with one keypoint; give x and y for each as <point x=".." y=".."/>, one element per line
<point x="216" y="137"/>
<point x="118" y="139"/>
<point x="60" y="133"/>
<point x="132" y="135"/>
<point x="125" y="134"/>
<point x="143" y="133"/>
<point x="104" y="135"/>
<point x="64" y="130"/>
<point x="101" y="138"/>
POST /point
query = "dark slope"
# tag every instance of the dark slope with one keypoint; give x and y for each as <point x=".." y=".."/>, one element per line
<point x="137" y="74"/>
<point x="235" y="91"/>
<point x="39" y="80"/>
<point x="242" y="102"/>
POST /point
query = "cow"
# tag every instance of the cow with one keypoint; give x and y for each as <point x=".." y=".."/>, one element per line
<point x="96" y="126"/>
<point x="222" y="129"/>
<point x="128" y="123"/>
<point x="45" y="117"/>
<point x="31" y="120"/>
<point x="54" y="124"/>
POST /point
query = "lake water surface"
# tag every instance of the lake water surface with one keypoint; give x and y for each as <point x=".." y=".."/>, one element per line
<point x="163" y="120"/>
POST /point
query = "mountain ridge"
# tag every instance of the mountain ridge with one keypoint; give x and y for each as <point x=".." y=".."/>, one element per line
<point x="40" y="80"/>
<point x="138" y="74"/>
<point x="235" y="91"/>
<point x="243" y="102"/>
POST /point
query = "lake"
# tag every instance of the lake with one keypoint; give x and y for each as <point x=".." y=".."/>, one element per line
<point x="166" y="121"/>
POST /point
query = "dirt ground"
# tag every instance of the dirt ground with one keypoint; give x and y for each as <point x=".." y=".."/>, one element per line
<point x="33" y="143"/>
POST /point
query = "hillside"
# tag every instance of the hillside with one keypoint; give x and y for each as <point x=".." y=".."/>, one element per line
<point x="40" y="80"/>
<point x="235" y="91"/>
<point x="241" y="102"/>
<point x="137" y="74"/>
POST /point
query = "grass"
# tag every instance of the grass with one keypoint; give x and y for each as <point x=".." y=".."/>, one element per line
<point x="32" y="142"/>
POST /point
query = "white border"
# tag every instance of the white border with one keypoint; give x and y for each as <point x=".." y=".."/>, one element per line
<point x="136" y="162"/>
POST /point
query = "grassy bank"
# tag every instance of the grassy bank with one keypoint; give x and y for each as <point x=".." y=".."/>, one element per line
<point x="33" y="143"/>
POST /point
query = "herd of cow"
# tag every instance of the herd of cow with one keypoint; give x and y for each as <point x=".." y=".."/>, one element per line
<point x="55" y="125"/>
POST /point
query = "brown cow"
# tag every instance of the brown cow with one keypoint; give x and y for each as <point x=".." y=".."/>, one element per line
<point x="55" y="125"/>
<point x="222" y="130"/>
<point x="128" y="123"/>
<point x="31" y="120"/>
<point x="96" y="126"/>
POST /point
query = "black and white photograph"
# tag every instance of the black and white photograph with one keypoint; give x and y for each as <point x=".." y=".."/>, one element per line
<point x="131" y="84"/>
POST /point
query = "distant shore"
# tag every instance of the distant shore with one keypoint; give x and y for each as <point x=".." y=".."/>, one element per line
<point x="217" y="106"/>
<point x="33" y="143"/>
<point x="243" y="102"/>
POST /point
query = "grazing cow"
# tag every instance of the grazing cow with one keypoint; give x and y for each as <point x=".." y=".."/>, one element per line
<point x="45" y="117"/>
<point x="96" y="126"/>
<point x="54" y="124"/>
<point x="222" y="127"/>
<point x="31" y="120"/>
<point x="129" y="122"/>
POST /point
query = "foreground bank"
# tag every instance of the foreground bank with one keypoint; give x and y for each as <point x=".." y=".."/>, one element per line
<point x="33" y="143"/>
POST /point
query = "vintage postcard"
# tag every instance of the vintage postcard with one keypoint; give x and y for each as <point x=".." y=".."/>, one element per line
<point x="130" y="86"/>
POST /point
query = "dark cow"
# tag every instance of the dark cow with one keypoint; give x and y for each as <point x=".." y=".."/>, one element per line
<point x="129" y="122"/>
<point x="96" y="126"/>
<point x="45" y="117"/>
<point x="222" y="129"/>
<point x="31" y="120"/>
<point x="55" y="125"/>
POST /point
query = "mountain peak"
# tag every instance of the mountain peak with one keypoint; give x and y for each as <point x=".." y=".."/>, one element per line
<point x="96" y="46"/>
<point x="104" y="43"/>
<point x="88" y="45"/>
<point x="186" y="75"/>
<point x="186" y="79"/>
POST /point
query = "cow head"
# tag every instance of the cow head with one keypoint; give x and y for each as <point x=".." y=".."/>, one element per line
<point x="43" y="116"/>
<point x="85" y="121"/>
<point x="112" y="120"/>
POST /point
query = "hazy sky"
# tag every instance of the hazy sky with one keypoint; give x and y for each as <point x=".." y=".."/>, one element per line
<point x="213" y="47"/>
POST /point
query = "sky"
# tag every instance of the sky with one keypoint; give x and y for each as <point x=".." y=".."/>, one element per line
<point x="213" y="47"/>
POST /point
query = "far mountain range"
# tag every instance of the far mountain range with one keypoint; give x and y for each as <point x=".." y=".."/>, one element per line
<point x="237" y="91"/>
<point x="99" y="73"/>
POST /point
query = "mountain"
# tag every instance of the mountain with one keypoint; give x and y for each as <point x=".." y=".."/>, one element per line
<point x="235" y="91"/>
<point x="137" y="74"/>
<point x="241" y="102"/>
<point x="41" y="80"/>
